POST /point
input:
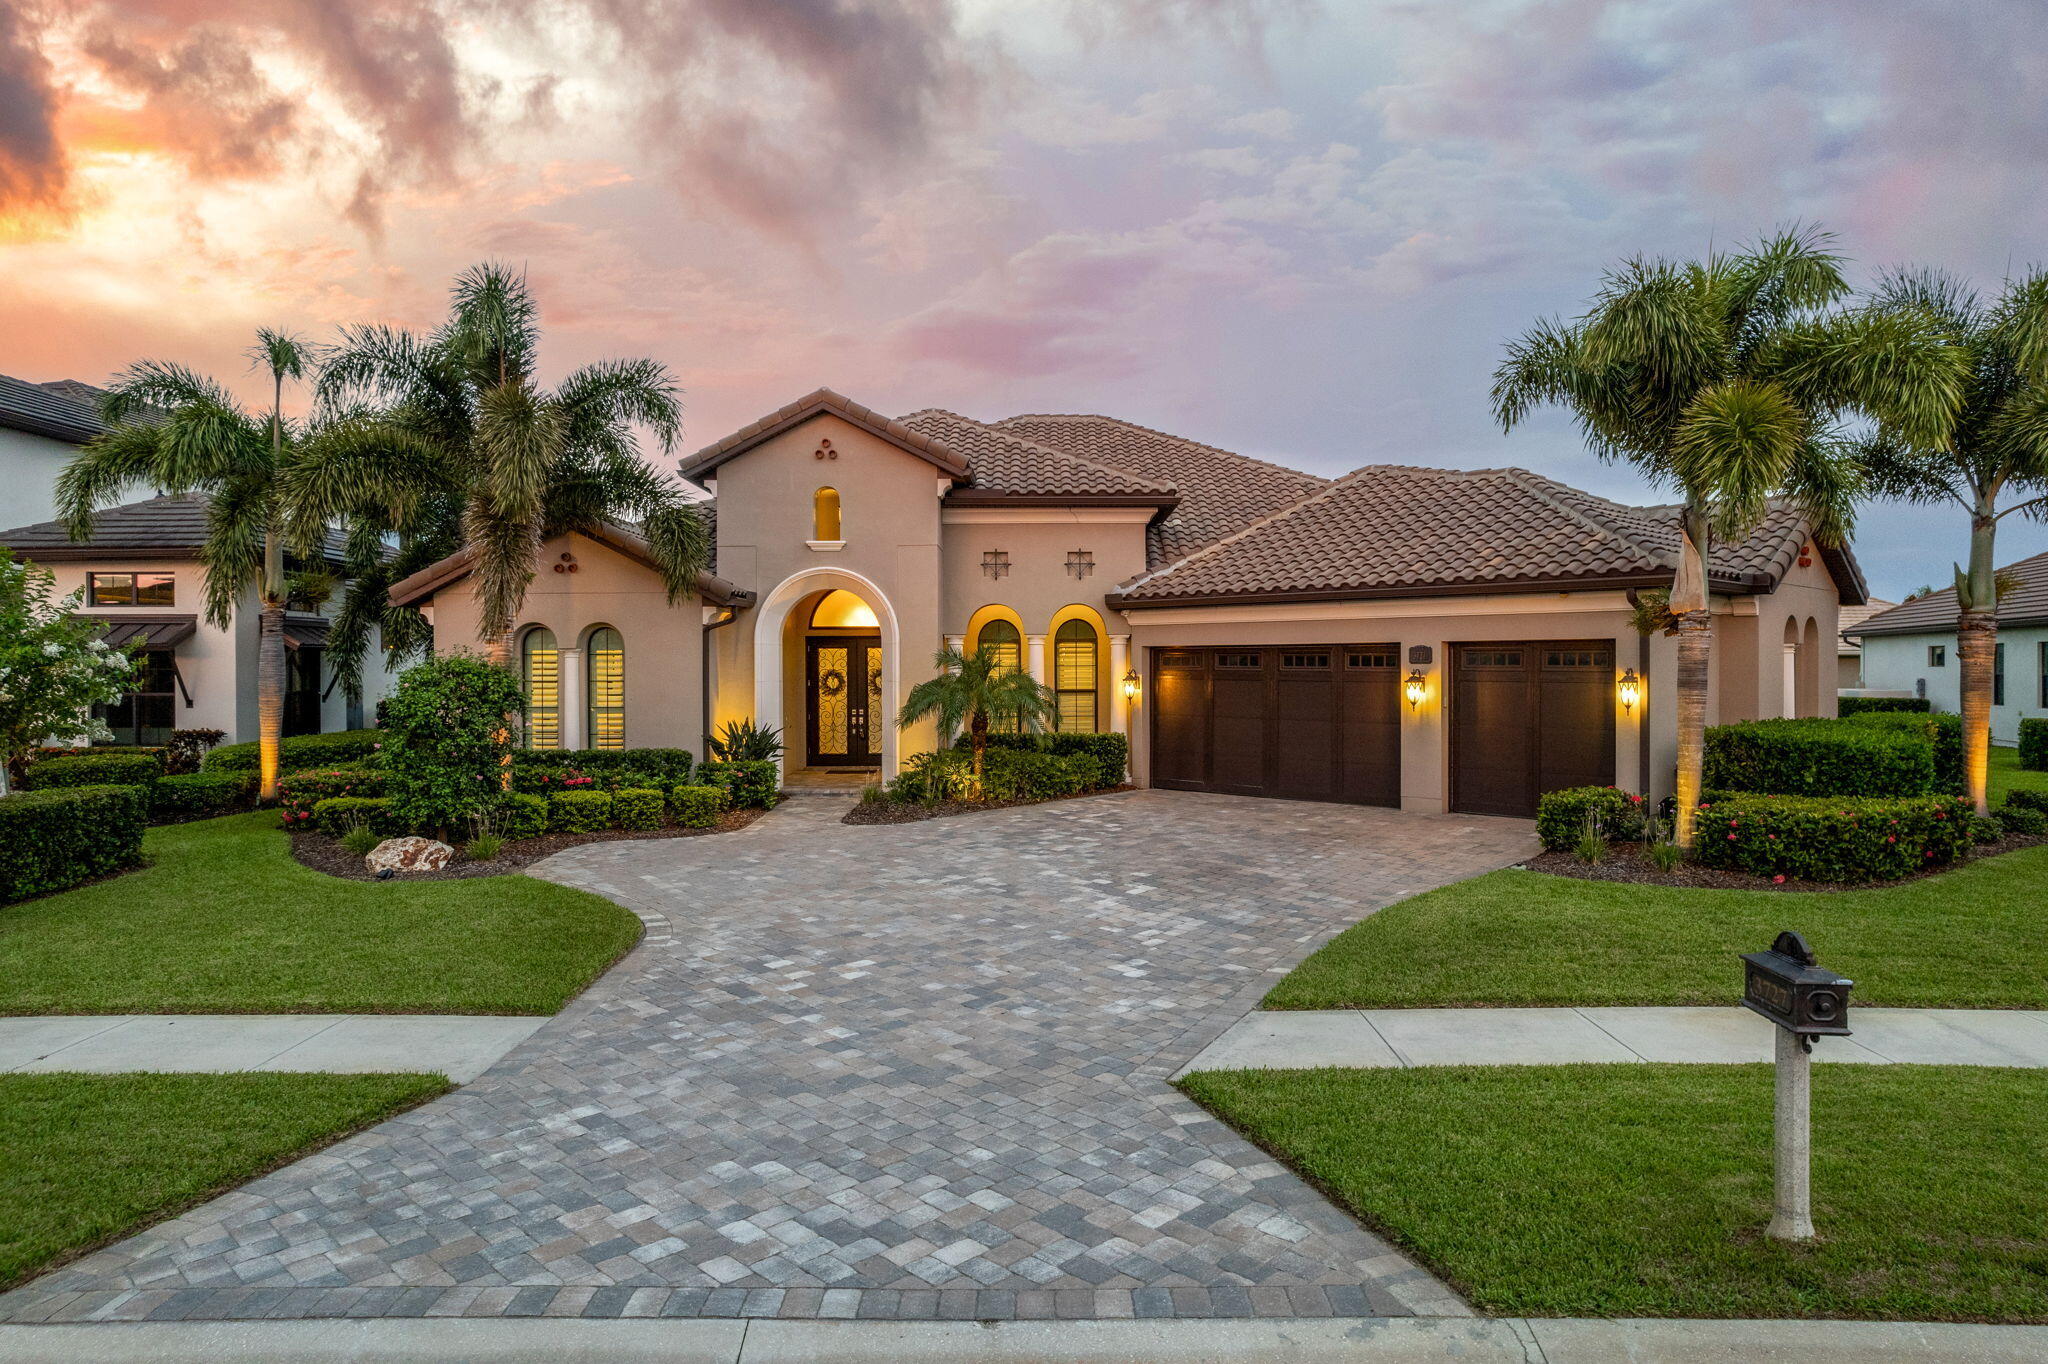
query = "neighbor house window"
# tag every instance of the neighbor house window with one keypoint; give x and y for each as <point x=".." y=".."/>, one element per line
<point x="129" y="589"/>
<point x="1074" y="671"/>
<point x="1937" y="655"/>
<point x="825" y="514"/>
<point x="605" y="668"/>
<point x="1000" y="637"/>
<point x="540" y="669"/>
<point x="1998" y="675"/>
<point x="144" y="715"/>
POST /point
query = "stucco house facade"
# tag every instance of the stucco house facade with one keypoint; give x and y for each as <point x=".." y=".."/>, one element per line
<point x="1421" y="638"/>
<point x="41" y="428"/>
<point x="1911" y="650"/>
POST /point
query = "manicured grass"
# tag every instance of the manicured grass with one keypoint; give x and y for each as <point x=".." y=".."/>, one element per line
<point x="1970" y="938"/>
<point x="87" y="1158"/>
<point x="2008" y="775"/>
<point x="224" y="921"/>
<point x="1640" y="1190"/>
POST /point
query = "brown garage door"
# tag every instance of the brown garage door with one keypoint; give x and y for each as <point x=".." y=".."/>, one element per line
<point x="1301" y="722"/>
<point x="1527" y="718"/>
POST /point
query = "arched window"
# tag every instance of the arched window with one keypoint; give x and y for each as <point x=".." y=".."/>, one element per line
<point x="540" y="672"/>
<point x="604" y="662"/>
<point x="1001" y="637"/>
<point x="1074" y="653"/>
<point x="825" y="514"/>
<point x="839" y="609"/>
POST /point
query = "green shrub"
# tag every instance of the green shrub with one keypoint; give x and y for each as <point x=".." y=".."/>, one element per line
<point x="521" y="816"/>
<point x="1832" y="838"/>
<point x="2025" y="800"/>
<point x="299" y="792"/>
<point x="115" y="769"/>
<point x="697" y="807"/>
<point x="742" y="741"/>
<point x="348" y="747"/>
<point x="162" y="755"/>
<point x="336" y="815"/>
<point x="1943" y="731"/>
<point x="60" y="836"/>
<point x="639" y="808"/>
<point x="579" y="812"/>
<point x="1986" y="828"/>
<point x="932" y="777"/>
<point x="1847" y="706"/>
<point x="544" y="779"/>
<point x="1820" y="758"/>
<point x="669" y="766"/>
<point x="748" y="785"/>
<point x="1561" y="815"/>
<point x="483" y="847"/>
<point x="188" y="749"/>
<point x="447" y="740"/>
<point x="2022" y="819"/>
<point x="1017" y="774"/>
<point x="360" y="839"/>
<point x="1112" y="752"/>
<point x="196" y="795"/>
<point x="2034" y="744"/>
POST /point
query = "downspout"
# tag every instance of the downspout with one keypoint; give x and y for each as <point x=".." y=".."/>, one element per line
<point x="731" y="614"/>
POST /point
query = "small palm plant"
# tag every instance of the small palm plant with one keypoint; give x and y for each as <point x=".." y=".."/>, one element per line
<point x="972" y="689"/>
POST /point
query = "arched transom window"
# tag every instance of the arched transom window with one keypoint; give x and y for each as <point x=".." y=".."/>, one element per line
<point x="1074" y="654"/>
<point x="540" y="673"/>
<point x="605" y="668"/>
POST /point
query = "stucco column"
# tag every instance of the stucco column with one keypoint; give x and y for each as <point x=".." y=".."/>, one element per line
<point x="1119" y="664"/>
<point x="1034" y="658"/>
<point x="1790" y="685"/>
<point x="957" y="643"/>
<point x="570" y="661"/>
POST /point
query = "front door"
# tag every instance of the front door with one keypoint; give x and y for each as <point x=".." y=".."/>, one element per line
<point x="843" y="690"/>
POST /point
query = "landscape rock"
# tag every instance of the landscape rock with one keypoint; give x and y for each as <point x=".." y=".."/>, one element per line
<point x="411" y="853"/>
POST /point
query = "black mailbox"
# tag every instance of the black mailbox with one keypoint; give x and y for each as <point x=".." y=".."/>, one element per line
<point x="1787" y="987"/>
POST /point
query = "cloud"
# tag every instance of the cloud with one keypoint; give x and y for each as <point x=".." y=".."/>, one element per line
<point x="202" y="99"/>
<point x="32" y="163"/>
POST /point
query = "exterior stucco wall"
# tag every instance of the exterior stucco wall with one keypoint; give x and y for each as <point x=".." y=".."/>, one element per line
<point x="29" y="465"/>
<point x="211" y="663"/>
<point x="1899" y="663"/>
<point x="1037" y="541"/>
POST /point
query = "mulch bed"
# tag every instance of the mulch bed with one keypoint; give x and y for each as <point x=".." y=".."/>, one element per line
<point x="324" y="854"/>
<point x="890" y="812"/>
<point x="1627" y="862"/>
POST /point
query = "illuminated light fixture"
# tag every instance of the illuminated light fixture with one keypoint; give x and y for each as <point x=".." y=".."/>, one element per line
<point x="1631" y="689"/>
<point x="1417" y="687"/>
<point x="1131" y="685"/>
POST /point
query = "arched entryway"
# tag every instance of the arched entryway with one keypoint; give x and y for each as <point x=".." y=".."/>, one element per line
<point x="827" y="672"/>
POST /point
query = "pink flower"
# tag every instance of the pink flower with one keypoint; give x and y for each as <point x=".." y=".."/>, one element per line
<point x="1778" y="880"/>
<point x="1731" y="838"/>
<point x="1891" y="838"/>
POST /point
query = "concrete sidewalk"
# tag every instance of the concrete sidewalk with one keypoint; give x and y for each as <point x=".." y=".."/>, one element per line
<point x="1351" y="1340"/>
<point x="1386" y="1038"/>
<point x="461" y="1047"/>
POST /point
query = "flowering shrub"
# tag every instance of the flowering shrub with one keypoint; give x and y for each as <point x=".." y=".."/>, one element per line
<point x="448" y="741"/>
<point x="54" y="667"/>
<point x="1832" y="838"/>
<point x="299" y="792"/>
<point x="1561" y="815"/>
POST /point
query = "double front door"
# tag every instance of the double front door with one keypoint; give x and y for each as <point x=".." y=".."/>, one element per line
<point x="843" y="687"/>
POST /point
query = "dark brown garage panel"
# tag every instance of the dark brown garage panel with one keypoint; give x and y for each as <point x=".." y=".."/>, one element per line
<point x="1529" y="717"/>
<point x="1298" y="721"/>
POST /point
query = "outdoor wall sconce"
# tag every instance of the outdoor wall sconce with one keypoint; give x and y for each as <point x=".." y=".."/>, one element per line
<point x="1631" y="689"/>
<point x="1417" y="687"/>
<point x="1131" y="685"/>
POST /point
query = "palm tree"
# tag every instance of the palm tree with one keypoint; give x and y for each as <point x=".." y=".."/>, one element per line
<point x="183" y="433"/>
<point x="971" y="688"/>
<point x="1997" y="448"/>
<point x="449" y="439"/>
<point x="1727" y="379"/>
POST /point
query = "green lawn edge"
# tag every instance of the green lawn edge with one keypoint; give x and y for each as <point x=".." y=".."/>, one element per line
<point x="224" y="920"/>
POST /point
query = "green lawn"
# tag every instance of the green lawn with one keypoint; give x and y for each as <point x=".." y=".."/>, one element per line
<point x="87" y="1158"/>
<point x="2008" y="775"/>
<point x="1641" y="1190"/>
<point x="224" y="921"/>
<point x="1970" y="938"/>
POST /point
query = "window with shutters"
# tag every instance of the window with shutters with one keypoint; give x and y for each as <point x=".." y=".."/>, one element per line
<point x="1075" y="653"/>
<point x="1001" y="638"/>
<point x="540" y="672"/>
<point x="604" y="664"/>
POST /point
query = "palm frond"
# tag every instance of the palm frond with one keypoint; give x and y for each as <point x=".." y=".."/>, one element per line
<point x="282" y="354"/>
<point x="2020" y="323"/>
<point x="149" y="388"/>
<point x="102" y="472"/>
<point x="237" y="519"/>
<point x="1898" y="366"/>
<point x="681" y="542"/>
<point x="1735" y="447"/>
<point x="603" y="399"/>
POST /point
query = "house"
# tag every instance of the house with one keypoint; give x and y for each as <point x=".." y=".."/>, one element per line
<point x="1911" y="649"/>
<point x="1423" y="638"/>
<point x="140" y="572"/>
<point x="41" y="428"/>
<point x="1849" y="646"/>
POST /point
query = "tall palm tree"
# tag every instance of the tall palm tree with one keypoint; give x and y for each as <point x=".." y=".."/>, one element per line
<point x="1728" y="380"/>
<point x="1996" y="451"/>
<point x="970" y="689"/>
<point x="184" y="433"/>
<point x="449" y="438"/>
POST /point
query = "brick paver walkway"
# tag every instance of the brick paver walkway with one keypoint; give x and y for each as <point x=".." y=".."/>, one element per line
<point x="914" y="1071"/>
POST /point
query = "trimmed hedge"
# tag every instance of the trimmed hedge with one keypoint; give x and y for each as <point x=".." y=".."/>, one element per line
<point x="1014" y="774"/>
<point x="1561" y="815"/>
<point x="2026" y="800"/>
<point x="538" y="779"/>
<point x="60" y="836"/>
<point x="2034" y="744"/>
<point x="1943" y="731"/>
<point x="521" y="816"/>
<point x="1846" y="706"/>
<point x="336" y="815"/>
<point x="348" y="747"/>
<point x="115" y="769"/>
<point x="671" y="765"/>
<point x="748" y="785"/>
<point x="1821" y="757"/>
<point x="2022" y="819"/>
<point x="1111" y="752"/>
<point x="162" y="755"/>
<point x="579" y="812"/>
<point x="197" y="795"/>
<point x="639" y="808"/>
<point x="697" y="807"/>
<point x="1832" y="838"/>
<point x="299" y="792"/>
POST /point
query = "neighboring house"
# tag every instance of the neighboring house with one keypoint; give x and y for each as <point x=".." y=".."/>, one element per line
<point x="140" y="573"/>
<point x="41" y="428"/>
<point x="1849" y="648"/>
<point x="1912" y="649"/>
<point x="1254" y="629"/>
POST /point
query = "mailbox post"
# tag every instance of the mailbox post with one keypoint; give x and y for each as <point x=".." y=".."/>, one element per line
<point x="1805" y="1000"/>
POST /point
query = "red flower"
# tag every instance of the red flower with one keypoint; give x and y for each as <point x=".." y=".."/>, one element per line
<point x="1891" y="838"/>
<point x="1731" y="838"/>
<point x="1779" y="879"/>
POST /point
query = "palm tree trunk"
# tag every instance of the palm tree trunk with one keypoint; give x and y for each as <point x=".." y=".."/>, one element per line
<point x="498" y="650"/>
<point x="1976" y="648"/>
<point x="1694" y="627"/>
<point x="977" y="730"/>
<point x="270" y="691"/>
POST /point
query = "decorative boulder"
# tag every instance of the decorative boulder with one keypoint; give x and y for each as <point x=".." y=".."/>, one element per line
<point x="411" y="853"/>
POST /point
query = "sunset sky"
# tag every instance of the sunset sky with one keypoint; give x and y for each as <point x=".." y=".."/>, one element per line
<point x="1297" y="230"/>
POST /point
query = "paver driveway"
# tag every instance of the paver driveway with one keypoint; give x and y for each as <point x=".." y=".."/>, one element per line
<point x="906" y="1072"/>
